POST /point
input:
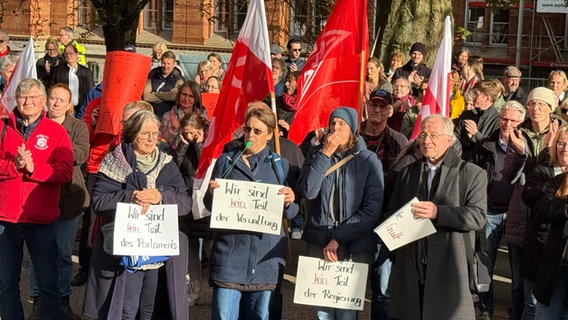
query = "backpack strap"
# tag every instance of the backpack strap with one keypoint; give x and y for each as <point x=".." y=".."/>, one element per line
<point x="276" y="161"/>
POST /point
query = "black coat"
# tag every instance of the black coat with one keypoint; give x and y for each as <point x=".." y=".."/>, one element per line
<point x="552" y="210"/>
<point x="60" y="74"/>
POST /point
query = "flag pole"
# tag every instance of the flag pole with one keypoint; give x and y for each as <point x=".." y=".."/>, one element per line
<point x="276" y="131"/>
<point x="361" y="90"/>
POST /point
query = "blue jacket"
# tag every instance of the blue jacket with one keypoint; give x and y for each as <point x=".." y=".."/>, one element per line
<point x="242" y="257"/>
<point x="361" y="189"/>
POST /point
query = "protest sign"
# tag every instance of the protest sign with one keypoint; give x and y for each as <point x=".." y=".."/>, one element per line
<point x="155" y="233"/>
<point x="247" y="205"/>
<point x="339" y="285"/>
<point x="402" y="228"/>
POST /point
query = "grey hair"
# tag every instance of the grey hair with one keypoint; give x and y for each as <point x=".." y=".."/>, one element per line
<point x="446" y="123"/>
<point x="513" y="105"/>
<point x="7" y="61"/>
<point x="133" y="126"/>
<point x="5" y="34"/>
<point x="67" y="30"/>
<point x="26" y="86"/>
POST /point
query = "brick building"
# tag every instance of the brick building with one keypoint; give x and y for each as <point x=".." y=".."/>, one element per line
<point x="187" y="23"/>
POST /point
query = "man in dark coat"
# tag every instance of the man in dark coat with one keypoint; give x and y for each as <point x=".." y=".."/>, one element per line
<point x="429" y="279"/>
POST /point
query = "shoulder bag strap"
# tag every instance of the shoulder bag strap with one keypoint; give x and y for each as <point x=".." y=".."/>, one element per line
<point x="339" y="164"/>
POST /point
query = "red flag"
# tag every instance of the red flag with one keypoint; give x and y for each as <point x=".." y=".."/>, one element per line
<point x="437" y="96"/>
<point x="248" y="78"/>
<point x="332" y="73"/>
<point x="24" y="69"/>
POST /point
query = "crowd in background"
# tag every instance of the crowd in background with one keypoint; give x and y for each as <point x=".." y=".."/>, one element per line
<point x="494" y="169"/>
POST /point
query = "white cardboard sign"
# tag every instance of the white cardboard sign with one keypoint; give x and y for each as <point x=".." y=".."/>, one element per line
<point x="339" y="285"/>
<point x="152" y="234"/>
<point x="248" y="206"/>
<point x="402" y="228"/>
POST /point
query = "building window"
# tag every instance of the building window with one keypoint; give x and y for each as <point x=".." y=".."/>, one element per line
<point x="230" y="16"/>
<point x="168" y="15"/>
<point x="475" y="23"/>
<point x="499" y="30"/>
<point x="307" y="18"/>
<point x="151" y="16"/>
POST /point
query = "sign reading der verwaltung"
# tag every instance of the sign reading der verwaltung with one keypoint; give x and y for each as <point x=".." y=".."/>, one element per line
<point x="247" y="205"/>
<point x="152" y="234"/>
<point x="331" y="284"/>
<point x="402" y="228"/>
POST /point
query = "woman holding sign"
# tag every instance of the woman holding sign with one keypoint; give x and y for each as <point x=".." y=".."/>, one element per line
<point x="137" y="172"/>
<point x="243" y="267"/>
<point x="343" y="183"/>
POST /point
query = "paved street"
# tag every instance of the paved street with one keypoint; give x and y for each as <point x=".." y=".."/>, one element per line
<point x="291" y="310"/>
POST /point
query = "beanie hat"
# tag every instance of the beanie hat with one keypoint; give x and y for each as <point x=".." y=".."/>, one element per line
<point x="418" y="46"/>
<point x="545" y="95"/>
<point x="275" y="49"/>
<point x="349" y="115"/>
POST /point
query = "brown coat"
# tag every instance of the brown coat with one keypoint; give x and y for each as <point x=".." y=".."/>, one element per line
<point x="74" y="196"/>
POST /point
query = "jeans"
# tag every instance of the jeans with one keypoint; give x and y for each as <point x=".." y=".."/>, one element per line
<point x="139" y="294"/>
<point x="225" y="304"/>
<point x="556" y="308"/>
<point x="41" y="242"/>
<point x="65" y="231"/>
<point x="517" y="293"/>
<point x="380" y="276"/>
<point x="530" y="301"/>
<point x="493" y="233"/>
<point x="326" y="313"/>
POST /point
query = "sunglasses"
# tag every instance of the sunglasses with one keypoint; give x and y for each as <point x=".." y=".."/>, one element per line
<point x="296" y="50"/>
<point x="257" y="132"/>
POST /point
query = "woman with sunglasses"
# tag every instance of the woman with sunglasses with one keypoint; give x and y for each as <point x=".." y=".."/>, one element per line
<point x="243" y="266"/>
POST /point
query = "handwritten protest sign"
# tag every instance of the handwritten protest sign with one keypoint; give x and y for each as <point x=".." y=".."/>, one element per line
<point x="152" y="234"/>
<point x="247" y="205"/>
<point x="331" y="284"/>
<point x="402" y="228"/>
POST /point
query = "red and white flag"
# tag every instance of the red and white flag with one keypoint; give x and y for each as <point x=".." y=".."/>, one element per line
<point x="437" y="96"/>
<point x="248" y="78"/>
<point x="332" y="72"/>
<point x="24" y="68"/>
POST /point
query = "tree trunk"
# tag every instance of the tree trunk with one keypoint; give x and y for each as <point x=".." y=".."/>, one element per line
<point x="120" y="21"/>
<point x="403" y="22"/>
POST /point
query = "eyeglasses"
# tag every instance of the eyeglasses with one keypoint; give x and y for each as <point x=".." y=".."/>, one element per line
<point x="257" y="132"/>
<point x="297" y="50"/>
<point x="148" y="134"/>
<point x="26" y="98"/>
<point x="433" y="136"/>
<point x="561" y="145"/>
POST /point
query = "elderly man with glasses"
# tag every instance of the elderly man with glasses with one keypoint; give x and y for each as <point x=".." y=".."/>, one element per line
<point x="66" y="37"/>
<point x="36" y="157"/>
<point x="429" y="277"/>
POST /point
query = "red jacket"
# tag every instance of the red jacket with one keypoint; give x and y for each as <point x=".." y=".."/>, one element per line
<point x="34" y="198"/>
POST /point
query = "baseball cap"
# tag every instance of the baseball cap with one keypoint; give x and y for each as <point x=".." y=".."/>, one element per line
<point x="512" y="72"/>
<point x="381" y="95"/>
<point x="275" y="49"/>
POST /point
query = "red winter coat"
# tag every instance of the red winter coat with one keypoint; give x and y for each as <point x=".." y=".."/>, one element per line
<point x="34" y="198"/>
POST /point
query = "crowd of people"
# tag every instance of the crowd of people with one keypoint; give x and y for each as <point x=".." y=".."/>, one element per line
<point x="493" y="171"/>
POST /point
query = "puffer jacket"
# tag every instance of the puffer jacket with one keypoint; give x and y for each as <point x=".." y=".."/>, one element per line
<point x="361" y="186"/>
